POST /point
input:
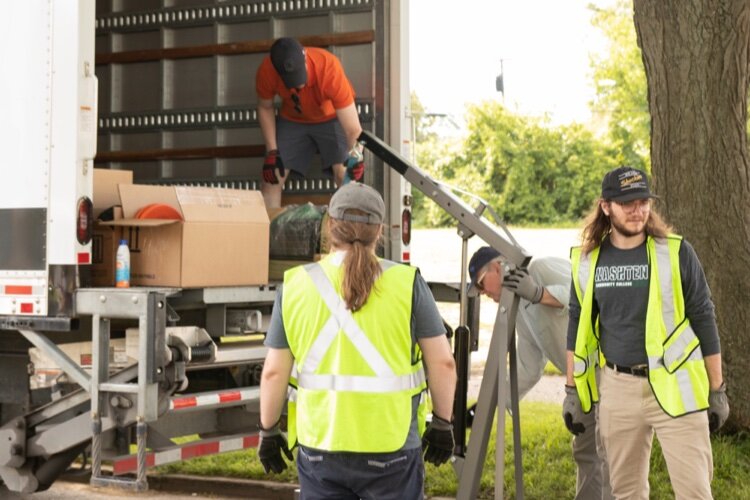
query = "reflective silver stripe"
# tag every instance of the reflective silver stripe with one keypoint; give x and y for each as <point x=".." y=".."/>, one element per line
<point x="345" y="322"/>
<point x="291" y="394"/>
<point x="679" y="346"/>
<point x="664" y="264"/>
<point x="584" y="268"/>
<point x="386" y="264"/>
<point x="686" y="390"/>
<point x="696" y="355"/>
<point x="594" y="358"/>
<point x="359" y="383"/>
<point x="321" y="345"/>
<point x="579" y="366"/>
<point x="655" y="362"/>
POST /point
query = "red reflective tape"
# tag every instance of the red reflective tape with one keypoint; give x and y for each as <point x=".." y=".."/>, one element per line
<point x="17" y="290"/>
<point x="250" y="441"/>
<point x="84" y="258"/>
<point x="124" y="466"/>
<point x="27" y="307"/>
<point x="186" y="402"/>
<point x="229" y="396"/>
<point x="197" y="450"/>
<point x="406" y="256"/>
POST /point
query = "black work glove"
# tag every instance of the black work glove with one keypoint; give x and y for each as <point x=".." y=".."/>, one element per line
<point x="718" y="408"/>
<point x="355" y="165"/>
<point x="437" y="441"/>
<point x="520" y="282"/>
<point x="572" y="411"/>
<point x="271" y="163"/>
<point x="272" y="443"/>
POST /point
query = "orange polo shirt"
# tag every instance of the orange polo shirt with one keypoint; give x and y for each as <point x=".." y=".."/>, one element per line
<point x="327" y="88"/>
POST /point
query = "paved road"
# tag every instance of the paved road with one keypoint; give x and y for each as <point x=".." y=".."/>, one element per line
<point x="62" y="490"/>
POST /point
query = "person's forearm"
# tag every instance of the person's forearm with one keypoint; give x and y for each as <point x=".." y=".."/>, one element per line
<point x="569" y="379"/>
<point x="349" y="120"/>
<point x="549" y="300"/>
<point x="273" y="385"/>
<point x="713" y="368"/>
<point x="267" y="121"/>
<point x="442" y="383"/>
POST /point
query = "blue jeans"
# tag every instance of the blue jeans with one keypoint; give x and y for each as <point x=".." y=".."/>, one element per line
<point x="369" y="476"/>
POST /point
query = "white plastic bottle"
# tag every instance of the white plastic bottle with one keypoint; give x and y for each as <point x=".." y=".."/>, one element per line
<point x="122" y="269"/>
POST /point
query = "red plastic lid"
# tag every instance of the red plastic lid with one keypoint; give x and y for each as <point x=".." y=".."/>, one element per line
<point x="158" y="211"/>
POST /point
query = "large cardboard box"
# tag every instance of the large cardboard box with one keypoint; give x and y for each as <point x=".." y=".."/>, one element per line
<point x="222" y="239"/>
<point x="106" y="238"/>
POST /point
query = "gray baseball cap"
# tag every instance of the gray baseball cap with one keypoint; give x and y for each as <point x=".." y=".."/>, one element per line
<point x="360" y="197"/>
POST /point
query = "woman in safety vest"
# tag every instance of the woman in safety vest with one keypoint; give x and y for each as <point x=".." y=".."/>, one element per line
<point x="353" y="342"/>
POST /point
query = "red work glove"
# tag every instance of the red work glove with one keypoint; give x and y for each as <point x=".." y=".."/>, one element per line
<point x="355" y="165"/>
<point x="270" y="165"/>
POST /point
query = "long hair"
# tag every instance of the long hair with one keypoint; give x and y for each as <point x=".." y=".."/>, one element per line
<point x="597" y="226"/>
<point x="361" y="266"/>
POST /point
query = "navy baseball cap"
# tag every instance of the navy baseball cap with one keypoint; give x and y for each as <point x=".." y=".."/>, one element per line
<point x="288" y="59"/>
<point x="625" y="184"/>
<point x="481" y="258"/>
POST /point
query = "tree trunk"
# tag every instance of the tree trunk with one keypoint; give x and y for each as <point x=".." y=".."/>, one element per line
<point x="696" y="56"/>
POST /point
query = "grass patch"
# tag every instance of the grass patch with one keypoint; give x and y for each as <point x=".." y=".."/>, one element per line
<point x="550" y="369"/>
<point x="549" y="470"/>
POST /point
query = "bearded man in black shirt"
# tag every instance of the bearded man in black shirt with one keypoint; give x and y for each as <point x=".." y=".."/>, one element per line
<point x="643" y="346"/>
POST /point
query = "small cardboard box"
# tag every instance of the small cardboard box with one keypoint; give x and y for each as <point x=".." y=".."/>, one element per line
<point x="106" y="238"/>
<point x="222" y="239"/>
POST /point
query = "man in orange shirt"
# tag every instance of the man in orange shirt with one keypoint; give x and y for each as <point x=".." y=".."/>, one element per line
<point x="317" y="114"/>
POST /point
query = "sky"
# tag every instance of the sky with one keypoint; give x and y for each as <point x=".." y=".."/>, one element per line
<point x="456" y="48"/>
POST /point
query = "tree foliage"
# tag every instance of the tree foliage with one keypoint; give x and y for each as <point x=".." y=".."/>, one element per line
<point x="620" y="84"/>
<point x="528" y="171"/>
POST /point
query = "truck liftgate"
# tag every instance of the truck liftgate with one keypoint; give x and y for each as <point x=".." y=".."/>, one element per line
<point x="493" y="392"/>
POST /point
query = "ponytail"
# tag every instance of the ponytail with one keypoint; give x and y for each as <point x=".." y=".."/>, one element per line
<point x="361" y="266"/>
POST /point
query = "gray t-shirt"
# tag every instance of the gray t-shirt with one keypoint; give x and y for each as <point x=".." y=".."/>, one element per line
<point x="621" y="284"/>
<point x="425" y="322"/>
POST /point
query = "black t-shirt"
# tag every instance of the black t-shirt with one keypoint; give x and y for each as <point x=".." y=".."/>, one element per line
<point x="621" y="284"/>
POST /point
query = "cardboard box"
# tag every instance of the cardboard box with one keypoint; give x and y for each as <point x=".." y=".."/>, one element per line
<point x="105" y="188"/>
<point x="106" y="238"/>
<point x="221" y="241"/>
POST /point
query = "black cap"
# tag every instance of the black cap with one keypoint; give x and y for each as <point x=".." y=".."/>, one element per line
<point x="626" y="184"/>
<point x="288" y="58"/>
<point x="481" y="258"/>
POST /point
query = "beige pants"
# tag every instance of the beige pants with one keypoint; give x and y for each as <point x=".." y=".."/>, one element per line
<point x="629" y="415"/>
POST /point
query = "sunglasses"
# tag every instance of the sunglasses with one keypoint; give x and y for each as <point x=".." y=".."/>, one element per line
<point x="479" y="284"/>
<point x="505" y="267"/>
<point x="296" y="101"/>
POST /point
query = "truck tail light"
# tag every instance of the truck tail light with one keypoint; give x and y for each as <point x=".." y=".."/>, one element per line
<point x="84" y="224"/>
<point x="406" y="226"/>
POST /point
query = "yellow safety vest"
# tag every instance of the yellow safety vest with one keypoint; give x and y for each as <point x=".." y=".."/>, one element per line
<point x="676" y="370"/>
<point x="355" y="374"/>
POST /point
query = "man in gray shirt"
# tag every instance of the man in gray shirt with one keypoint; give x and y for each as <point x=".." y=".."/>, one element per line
<point x="641" y="313"/>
